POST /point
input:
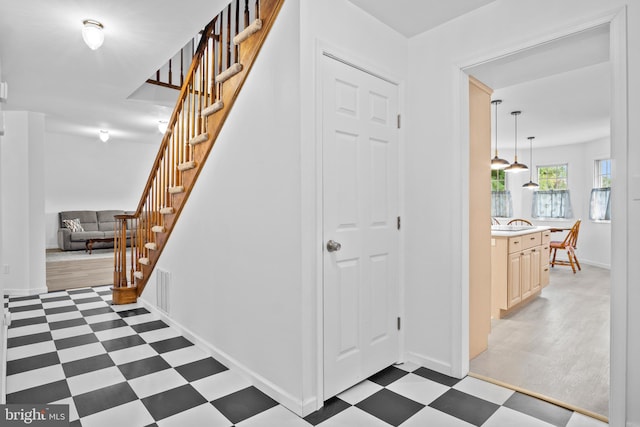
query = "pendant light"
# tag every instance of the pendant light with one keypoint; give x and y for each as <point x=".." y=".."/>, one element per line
<point x="497" y="162"/>
<point x="531" y="185"/>
<point x="515" y="166"/>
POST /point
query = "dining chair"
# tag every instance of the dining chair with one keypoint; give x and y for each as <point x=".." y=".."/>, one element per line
<point x="494" y="221"/>
<point x="519" y="221"/>
<point x="569" y="244"/>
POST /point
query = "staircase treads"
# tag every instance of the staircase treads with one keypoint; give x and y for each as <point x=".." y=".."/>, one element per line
<point x="228" y="73"/>
<point x="211" y="109"/>
<point x="248" y="32"/>
<point x="186" y="166"/>
<point x="203" y="137"/>
<point x="176" y="189"/>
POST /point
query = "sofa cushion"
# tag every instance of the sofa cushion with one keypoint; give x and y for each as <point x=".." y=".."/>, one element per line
<point x="81" y="236"/>
<point x="73" y="224"/>
<point x="88" y="219"/>
<point x="106" y="221"/>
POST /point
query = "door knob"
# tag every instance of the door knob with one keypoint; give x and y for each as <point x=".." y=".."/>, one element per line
<point x="333" y="246"/>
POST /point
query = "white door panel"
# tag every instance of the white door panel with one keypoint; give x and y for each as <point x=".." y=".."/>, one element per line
<point x="360" y="207"/>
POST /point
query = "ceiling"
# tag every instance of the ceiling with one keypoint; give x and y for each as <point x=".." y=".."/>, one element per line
<point x="50" y="70"/>
<point x="412" y="17"/>
<point x="562" y="87"/>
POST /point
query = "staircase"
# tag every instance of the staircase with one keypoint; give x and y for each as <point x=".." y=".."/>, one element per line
<point x="224" y="56"/>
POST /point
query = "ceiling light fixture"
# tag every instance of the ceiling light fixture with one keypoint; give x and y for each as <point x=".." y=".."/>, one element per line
<point x="530" y="185"/>
<point x="162" y="126"/>
<point x="92" y="33"/>
<point x="515" y="166"/>
<point x="497" y="162"/>
<point x="104" y="135"/>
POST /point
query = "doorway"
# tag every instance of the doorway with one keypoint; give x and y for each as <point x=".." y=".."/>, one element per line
<point x="360" y="181"/>
<point x="521" y="364"/>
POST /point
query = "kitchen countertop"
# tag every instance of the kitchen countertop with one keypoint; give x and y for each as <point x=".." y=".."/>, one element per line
<point x="515" y="230"/>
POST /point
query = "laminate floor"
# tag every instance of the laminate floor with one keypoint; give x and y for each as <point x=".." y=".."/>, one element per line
<point x="558" y="345"/>
<point x="122" y="365"/>
<point x="78" y="269"/>
<point x="73" y="274"/>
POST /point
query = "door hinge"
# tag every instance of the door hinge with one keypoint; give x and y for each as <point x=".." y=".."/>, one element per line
<point x="399" y="323"/>
<point x="398" y="121"/>
<point x="398" y="223"/>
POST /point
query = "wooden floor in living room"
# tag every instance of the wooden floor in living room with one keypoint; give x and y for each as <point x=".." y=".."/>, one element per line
<point x="558" y="345"/>
<point x="78" y="269"/>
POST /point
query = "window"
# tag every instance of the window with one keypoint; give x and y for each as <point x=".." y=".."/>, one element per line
<point x="600" y="203"/>
<point x="552" y="199"/>
<point x="501" y="205"/>
<point x="602" y="174"/>
<point x="552" y="177"/>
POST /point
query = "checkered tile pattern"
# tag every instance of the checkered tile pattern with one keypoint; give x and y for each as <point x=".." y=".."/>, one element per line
<point x="121" y="365"/>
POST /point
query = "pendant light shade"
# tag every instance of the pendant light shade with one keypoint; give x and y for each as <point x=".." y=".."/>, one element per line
<point x="530" y="185"/>
<point x="515" y="166"/>
<point x="92" y="33"/>
<point x="497" y="162"/>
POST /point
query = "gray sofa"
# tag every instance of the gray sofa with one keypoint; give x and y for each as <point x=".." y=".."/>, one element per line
<point x="96" y="225"/>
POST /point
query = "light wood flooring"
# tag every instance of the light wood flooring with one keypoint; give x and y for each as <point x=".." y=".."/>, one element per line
<point x="79" y="273"/>
<point x="558" y="345"/>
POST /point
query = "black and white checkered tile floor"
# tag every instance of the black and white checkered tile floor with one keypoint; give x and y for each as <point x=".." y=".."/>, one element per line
<point x="122" y="366"/>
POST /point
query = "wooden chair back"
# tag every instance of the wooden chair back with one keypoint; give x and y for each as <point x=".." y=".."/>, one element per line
<point x="519" y="221"/>
<point x="572" y="236"/>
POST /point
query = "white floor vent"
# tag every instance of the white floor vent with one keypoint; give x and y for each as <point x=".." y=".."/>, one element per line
<point x="163" y="287"/>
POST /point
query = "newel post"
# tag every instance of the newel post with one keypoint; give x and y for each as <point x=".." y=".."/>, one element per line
<point x="124" y="288"/>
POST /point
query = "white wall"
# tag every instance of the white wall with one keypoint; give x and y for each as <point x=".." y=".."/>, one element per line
<point x="3" y="327"/>
<point x="22" y="227"/>
<point x="435" y="272"/>
<point x="243" y="256"/>
<point x="594" y="243"/>
<point x="85" y="173"/>
<point x="234" y="256"/>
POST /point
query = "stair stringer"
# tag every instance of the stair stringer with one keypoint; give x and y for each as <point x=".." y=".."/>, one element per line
<point x="249" y="51"/>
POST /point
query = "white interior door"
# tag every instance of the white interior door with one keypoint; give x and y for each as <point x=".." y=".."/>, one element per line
<point x="360" y="208"/>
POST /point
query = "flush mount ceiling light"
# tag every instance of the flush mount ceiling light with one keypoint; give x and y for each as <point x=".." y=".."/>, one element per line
<point x="497" y="162"/>
<point x="104" y="135"/>
<point x="162" y="126"/>
<point x="515" y="166"/>
<point x="92" y="33"/>
<point x="530" y="185"/>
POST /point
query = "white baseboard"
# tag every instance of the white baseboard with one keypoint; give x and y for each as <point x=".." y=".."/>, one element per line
<point x="430" y="363"/>
<point x="25" y="292"/>
<point x="595" y="263"/>
<point x="269" y="388"/>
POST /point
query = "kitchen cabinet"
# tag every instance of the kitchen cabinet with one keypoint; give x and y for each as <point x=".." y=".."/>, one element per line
<point x="519" y="267"/>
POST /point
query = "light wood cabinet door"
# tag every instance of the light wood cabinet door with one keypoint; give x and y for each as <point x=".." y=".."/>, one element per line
<point x="544" y="263"/>
<point x="536" y="257"/>
<point x="514" y="295"/>
<point x="525" y="274"/>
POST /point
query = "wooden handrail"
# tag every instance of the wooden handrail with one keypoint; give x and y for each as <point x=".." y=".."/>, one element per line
<point x="176" y="111"/>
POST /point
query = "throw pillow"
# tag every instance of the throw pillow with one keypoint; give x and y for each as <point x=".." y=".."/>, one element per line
<point x="73" y="224"/>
